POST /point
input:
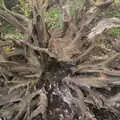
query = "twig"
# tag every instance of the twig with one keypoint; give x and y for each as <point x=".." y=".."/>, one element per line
<point x="105" y="63"/>
<point x="4" y="76"/>
<point x="82" y="57"/>
<point x="45" y="50"/>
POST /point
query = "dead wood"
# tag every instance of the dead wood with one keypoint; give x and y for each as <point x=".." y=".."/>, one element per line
<point x="49" y="77"/>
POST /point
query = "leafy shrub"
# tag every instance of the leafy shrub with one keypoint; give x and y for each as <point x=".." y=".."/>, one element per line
<point x="52" y="18"/>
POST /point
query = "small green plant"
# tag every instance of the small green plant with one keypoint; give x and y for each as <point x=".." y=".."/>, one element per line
<point x="113" y="11"/>
<point x="15" y="36"/>
<point x="115" y="31"/>
<point x="7" y="28"/>
<point x="25" y="8"/>
<point x="8" y="49"/>
<point x="74" y="5"/>
<point x="52" y="18"/>
<point x="10" y="32"/>
<point x="115" y="14"/>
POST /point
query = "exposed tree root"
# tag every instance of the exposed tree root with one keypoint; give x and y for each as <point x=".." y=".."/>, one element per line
<point x="48" y="87"/>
